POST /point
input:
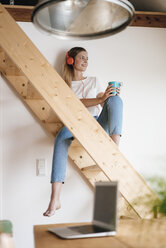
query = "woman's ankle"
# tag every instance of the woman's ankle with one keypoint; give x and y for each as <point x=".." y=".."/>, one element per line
<point x="116" y="138"/>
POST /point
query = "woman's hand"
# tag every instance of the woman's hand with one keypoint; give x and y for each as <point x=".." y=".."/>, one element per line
<point x="101" y="97"/>
<point x="108" y="92"/>
<point x="118" y="91"/>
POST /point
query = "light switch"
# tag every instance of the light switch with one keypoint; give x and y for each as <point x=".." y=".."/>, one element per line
<point x="41" y="168"/>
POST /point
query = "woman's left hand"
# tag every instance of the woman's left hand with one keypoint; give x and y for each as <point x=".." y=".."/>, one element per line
<point x="118" y="91"/>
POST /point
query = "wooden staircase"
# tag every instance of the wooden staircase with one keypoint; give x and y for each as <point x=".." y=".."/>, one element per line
<point x="53" y="102"/>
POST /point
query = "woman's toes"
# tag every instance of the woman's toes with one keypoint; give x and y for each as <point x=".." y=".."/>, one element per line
<point x="49" y="213"/>
<point x="51" y="210"/>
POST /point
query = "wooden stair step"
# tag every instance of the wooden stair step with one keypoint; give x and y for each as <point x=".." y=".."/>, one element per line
<point x="91" y="168"/>
<point x="8" y="66"/>
<point x="53" y="128"/>
<point x="78" y="154"/>
<point x="2" y="59"/>
<point x="94" y="174"/>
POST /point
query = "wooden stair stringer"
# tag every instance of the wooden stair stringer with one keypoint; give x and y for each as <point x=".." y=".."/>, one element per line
<point x="65" y="104"/>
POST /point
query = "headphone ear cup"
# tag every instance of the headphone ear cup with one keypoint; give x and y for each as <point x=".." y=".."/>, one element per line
<point x="70" y="61"/>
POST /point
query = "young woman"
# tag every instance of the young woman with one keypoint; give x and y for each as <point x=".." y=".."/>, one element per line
<point x="88" y="91"/>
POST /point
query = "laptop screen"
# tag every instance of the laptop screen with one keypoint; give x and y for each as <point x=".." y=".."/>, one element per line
<point x="105" y="204"/>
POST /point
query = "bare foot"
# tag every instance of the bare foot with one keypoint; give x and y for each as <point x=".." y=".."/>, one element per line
<point x="53" y="206"/>
<point x="55" y="199"/>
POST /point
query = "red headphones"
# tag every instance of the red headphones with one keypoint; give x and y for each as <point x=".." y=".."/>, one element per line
<point x="69" y="60"/>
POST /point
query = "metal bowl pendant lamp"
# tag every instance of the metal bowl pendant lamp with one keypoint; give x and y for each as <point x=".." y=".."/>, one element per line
<point x="82" y="19"/>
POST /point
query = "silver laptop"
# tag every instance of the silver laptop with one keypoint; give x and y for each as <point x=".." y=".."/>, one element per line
<point x="104" y="215"/>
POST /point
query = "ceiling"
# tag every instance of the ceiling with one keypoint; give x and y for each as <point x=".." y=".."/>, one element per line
<point x="149" y="5"/>
<point x="140" y="5"/>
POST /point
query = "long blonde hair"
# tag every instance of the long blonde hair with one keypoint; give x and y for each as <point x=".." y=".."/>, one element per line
<point x="68" y="70"/>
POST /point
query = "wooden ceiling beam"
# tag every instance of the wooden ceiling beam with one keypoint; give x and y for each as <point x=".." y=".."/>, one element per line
<point x="141" y="19"/>
<point x="20" y="13"/>
<point x="149" y="19"/>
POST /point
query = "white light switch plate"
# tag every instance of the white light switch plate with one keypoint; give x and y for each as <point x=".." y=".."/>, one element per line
<point x="41" y="168"/>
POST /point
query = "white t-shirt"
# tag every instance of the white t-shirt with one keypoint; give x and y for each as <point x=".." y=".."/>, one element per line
<point x="88" y="88"/>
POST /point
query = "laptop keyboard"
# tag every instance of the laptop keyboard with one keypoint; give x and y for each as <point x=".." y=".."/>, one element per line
<point x="86" y="229"/>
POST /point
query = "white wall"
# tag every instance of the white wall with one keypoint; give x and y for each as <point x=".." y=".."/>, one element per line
<point x="136" y="56"/>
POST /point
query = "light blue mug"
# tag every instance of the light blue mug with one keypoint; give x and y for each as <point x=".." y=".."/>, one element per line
<point x="115" y="84"/>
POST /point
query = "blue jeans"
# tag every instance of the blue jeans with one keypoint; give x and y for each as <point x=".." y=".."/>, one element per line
<point x="110" y="119"/>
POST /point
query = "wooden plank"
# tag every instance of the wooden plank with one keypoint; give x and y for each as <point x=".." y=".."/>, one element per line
<point x="42" y="111"/>
<point x="7" y="66"/>
<point x="20" y="83"/>
<point x="29" y="94"/>
<point x="72" y="112"/>
<point x="20" y="13"/>
<point x="52" y="117"/>
<point x="40" y="108"/>
<point x="149" y="19"/>
<point x="32" y="93"/>
<point x="79" y="156"/>
<point x="2" y="59"/>
<point x="53" y="128"/>
<point x="16" y="78"/>
<point x="141" y="18"/>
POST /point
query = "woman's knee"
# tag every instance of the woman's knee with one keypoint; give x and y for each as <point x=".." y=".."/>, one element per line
<point x="114" y="99"/>
<point x="63" y="135"/>
<point x="115" y="102"/>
